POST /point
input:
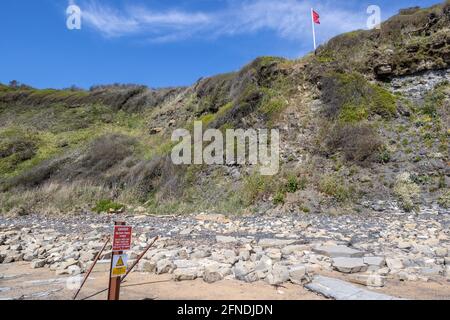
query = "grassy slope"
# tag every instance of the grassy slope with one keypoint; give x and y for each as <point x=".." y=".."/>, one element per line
<point x="62" y="150"/>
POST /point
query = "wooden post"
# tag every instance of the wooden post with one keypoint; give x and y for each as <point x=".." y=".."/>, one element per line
<point x="114" y="282"/>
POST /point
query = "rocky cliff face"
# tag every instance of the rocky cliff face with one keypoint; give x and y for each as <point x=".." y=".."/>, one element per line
<point x="363" y="125"/>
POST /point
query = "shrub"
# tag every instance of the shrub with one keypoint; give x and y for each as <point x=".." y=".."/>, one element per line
<point x="406" y="191"/>
<point x="108" y="206"/>
<point x="357" y="142"/>
<point x="335" y="186"/>
<point x="351" y="98"/>
<point x="444" y="199"/>
<point x="292" y="185"/>
<point x="278" y="198"/>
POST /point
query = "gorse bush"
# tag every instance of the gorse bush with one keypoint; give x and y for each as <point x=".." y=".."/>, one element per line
<point x="356" y="142"/>
<point x="107" y="206"/>
<point x="336" y="187"/>
<point x="351" y="98"/>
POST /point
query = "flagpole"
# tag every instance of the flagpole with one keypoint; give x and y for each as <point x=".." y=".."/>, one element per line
<point x="313" y="28"/>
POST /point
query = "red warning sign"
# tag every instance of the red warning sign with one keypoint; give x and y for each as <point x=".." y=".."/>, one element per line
<point x="122" y="238"/>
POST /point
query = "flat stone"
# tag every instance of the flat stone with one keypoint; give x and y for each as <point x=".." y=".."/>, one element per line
<point x="225" y="239"/>
<point x="186" y="232"/>
<point x="267" y="243"/>
<point x="342" y="290"/>
<point x="375" y="261"/>
<point x="338" y="251"/>
<point x="349" y="265"/>
<point x="180" y="264"/>
<point x="294" y="249"/>
<point x="394" y="264"/>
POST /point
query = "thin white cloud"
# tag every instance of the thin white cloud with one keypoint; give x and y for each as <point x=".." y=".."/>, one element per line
<point x="289" y="19"/>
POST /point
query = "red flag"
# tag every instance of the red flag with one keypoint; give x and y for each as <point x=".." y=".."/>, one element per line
<point x="316" y="17"/>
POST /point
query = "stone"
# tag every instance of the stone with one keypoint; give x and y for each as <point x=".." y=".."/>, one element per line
<point x="267" y="243"/>
<point x="297" y="274"/>
<point x="279" y="274"/>
<point x="295" y="249"/>
<point x="432" y="271"/>
<point x="338" y="251"/>
<point x="446" y="261"/>
<point x="200" y="254"/>
<point x="29" y="256"/>
<point x="273" y="253"/>
<point x="181" y="264"/>
<point x="244" y="254"/>
<point x="147" y="266"/>
<point x="225" y="239"/>
<point x="74" y="270"/>
<point x="375" y="261"/>
<point x="218" y="218"/>
<point x="404" y="245"/>
<point x="88" y="256"/>
<point x="349" y="265"/>
<point x="210" y="276"/>
<point x="441" y="252"/>
<point x="225" y="256"/>
<point x="371" y="280"/>
<point x="405" y="276"/>
<point x="394" y="264"/>
<point x="342" y="290"/>
<point x="164" y="266"/>
<point x="70" y="262"/>
<point x="244" y="271"/>
<point x="186" y="232"/>
<point x="185" y="274"/>
<point x="36" y="264"/>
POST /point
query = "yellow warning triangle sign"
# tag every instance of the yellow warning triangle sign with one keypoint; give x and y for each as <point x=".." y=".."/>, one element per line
<point x="120" y="262"/>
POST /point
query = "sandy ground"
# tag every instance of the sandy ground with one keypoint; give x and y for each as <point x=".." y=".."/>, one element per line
<point x="27" y="283"/>
<point x="140" y="286"/>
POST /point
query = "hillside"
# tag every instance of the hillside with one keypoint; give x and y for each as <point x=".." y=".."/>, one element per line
<point x="364" y="126"/>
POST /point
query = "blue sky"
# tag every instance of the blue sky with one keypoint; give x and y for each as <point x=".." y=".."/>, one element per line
<point x="163" y="43"/>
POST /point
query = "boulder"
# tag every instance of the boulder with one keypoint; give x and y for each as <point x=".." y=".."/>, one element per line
<point x="338" y="251"/>
<point x="185" y="274"/>
<point x="349" y="265"/>
<point x="164" y="266"/>
<point x="74" y="270"/>
<point x="297" y="274"/>
<point x="36" y="264"/>
<point x="279" y="274"/>
<point x="147" y="266"/>
<point x="394" y="264"/>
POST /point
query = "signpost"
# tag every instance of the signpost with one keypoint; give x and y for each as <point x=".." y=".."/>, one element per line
<point x="119" y="260"/>
<point x="122" y="237"/>
<point x="121" y="243"/>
